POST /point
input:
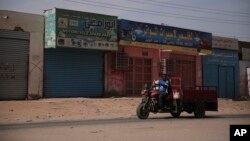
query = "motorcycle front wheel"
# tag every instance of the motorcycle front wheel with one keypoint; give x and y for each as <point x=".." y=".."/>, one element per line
<point x="142" y="111"/>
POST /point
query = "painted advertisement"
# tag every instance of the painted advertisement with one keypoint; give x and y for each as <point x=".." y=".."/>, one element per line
<point x="67" y="28"/>
<point x="86" y="30"/>
<point x="164" y="35"/>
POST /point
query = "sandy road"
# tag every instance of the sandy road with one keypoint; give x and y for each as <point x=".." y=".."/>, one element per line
<point x="215" y="127"/>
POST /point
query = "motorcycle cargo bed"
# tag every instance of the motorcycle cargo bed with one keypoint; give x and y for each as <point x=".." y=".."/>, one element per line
<point x="204" y="94"/>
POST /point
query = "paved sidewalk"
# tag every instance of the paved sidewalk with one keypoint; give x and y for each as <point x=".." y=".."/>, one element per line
<point x="75" y="109"/>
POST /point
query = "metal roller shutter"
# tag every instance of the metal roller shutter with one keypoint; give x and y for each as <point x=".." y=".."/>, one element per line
<point x="73" y="73"/>
<point x="14" y="49"/>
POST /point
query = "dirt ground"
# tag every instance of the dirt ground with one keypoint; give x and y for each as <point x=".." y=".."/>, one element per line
<point x="70" y="109"/>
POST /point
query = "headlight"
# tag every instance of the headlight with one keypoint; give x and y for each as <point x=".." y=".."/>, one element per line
<point x="176" y="95"/>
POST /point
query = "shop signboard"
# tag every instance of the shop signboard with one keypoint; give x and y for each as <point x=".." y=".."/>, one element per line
<point x="225" y="43"/>
<point x="84" y="30"/>
<point x="164" y="37"/>
<point x="223" y="57"/>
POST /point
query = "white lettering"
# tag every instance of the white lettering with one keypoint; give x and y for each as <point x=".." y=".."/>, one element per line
<point x="240" y="132"/>
<point x="243" y="131"/>
<point x="237" y="132"/>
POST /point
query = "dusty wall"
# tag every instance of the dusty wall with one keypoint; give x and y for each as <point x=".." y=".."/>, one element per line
<point x="35" y="25"/>
<point x="243" y="78"/>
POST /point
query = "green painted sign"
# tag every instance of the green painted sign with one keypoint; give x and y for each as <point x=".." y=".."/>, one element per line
<point x="82" y="30"/>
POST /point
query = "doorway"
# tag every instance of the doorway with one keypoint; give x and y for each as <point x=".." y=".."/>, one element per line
<point x="139" y="73"/>
<point x="226" y="82"/>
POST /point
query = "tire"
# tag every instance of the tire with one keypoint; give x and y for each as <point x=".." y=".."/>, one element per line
<point x="199" y="110"/>
<point x="176" y="115"/>
<point x="142" y="112"/>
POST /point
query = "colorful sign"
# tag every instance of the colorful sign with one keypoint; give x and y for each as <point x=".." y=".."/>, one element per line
<point x="85" y="30"/>
<point x="166" y="36"/>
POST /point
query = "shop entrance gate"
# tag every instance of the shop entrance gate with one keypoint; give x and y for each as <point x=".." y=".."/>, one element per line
<point x="139" y="73"/>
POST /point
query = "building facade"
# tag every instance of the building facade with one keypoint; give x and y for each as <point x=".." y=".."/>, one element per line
<point x="244" y="52"/>
<point x="75" y="47"/>
<point x="150" y="50"/>
<point x="221" y="69"/>
<point x="21" y="70"/>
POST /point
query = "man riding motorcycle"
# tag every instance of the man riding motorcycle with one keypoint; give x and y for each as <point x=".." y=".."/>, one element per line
<point x="164" y="84"/>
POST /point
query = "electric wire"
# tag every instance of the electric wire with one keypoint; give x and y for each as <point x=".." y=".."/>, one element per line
<point x="190" y="8"/>
<point x="137" y="10"/>
<point x="158" y="14"/>
<point x="201" y="8"/>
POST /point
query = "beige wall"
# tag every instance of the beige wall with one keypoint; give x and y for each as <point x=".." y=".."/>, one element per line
<point x="243" y="78"/>
<point x="35" y="25"/>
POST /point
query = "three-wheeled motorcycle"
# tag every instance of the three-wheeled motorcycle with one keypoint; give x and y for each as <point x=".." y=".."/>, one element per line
<point x="195" y="100"/>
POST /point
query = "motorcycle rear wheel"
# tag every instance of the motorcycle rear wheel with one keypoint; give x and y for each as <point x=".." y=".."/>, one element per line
<point x="142" y="111"/>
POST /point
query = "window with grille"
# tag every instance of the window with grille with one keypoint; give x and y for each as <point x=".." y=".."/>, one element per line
<point x="121" y="61"/>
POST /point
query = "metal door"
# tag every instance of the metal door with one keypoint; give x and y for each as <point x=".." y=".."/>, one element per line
<point x="14" y="49"/>
<point x="186" y="70"/>
<point x="139" y="73"/>
<point x="211" y="75"/>
<point x="71" y="72"/>
<point x="222" y="82"/>
<point x="185" y="67"/>
<point x="230" y="83"/>
<point x="226" y="82"/>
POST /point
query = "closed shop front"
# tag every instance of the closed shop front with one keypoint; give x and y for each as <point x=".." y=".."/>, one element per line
<point x="147" y="44"/>
<point x="183" y="66"/>
<point x="75" y="54"/>
<point x="139" y="73"/>
<point x="127" y="77"/>
<point x="222" y="70"/>
<point x="14" y="50"/>
<point x="73" y="72"/>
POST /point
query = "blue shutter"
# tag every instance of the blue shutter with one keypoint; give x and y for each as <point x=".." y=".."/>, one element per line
<point x="73" y="73"/>
<point x="210" y="76"/>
